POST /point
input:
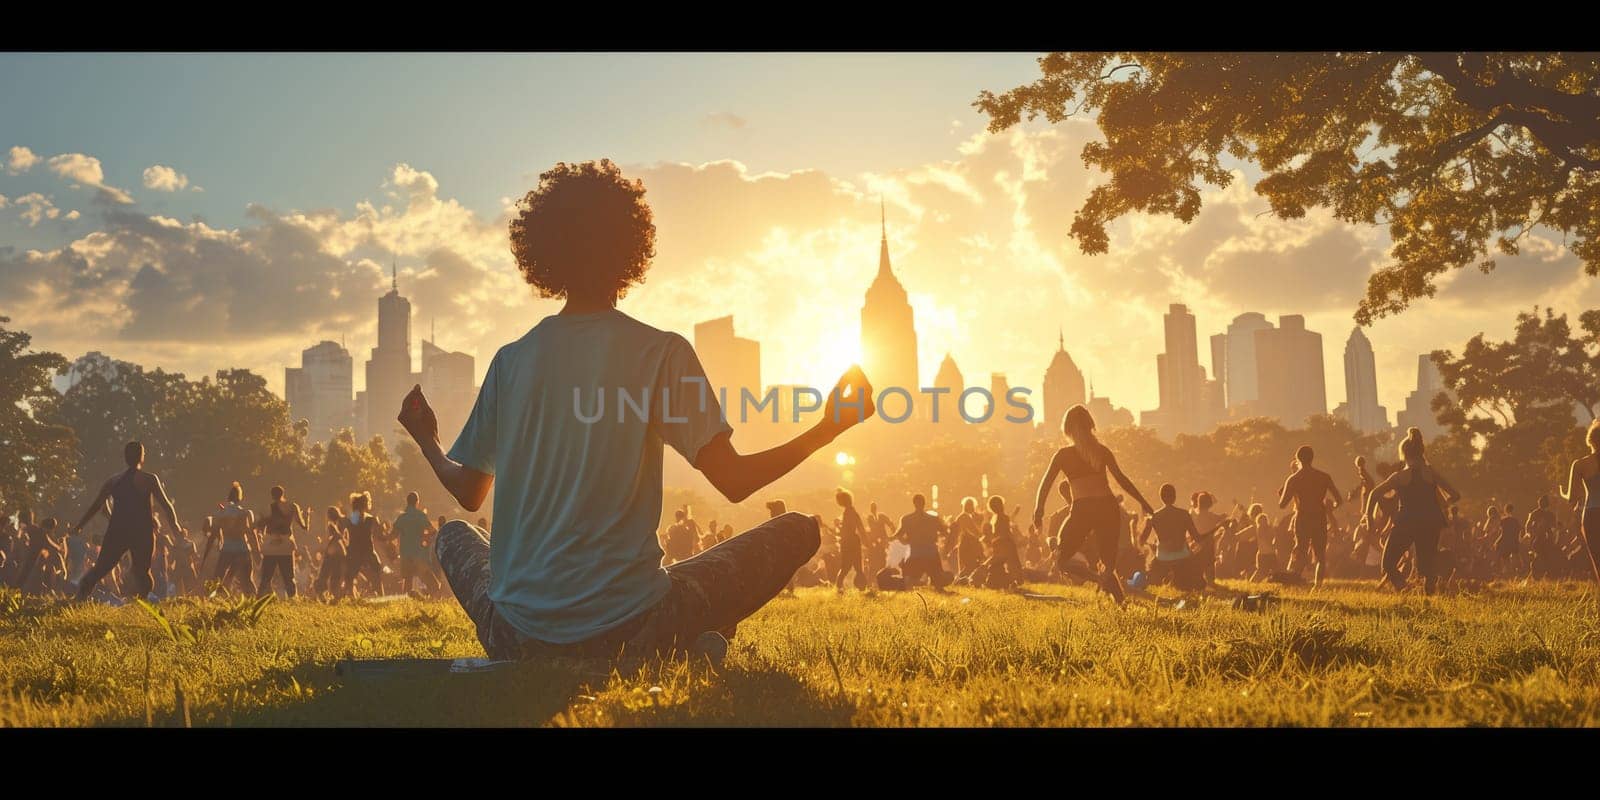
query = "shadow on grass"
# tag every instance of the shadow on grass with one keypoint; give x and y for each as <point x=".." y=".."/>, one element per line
<point x="523" y="695"/>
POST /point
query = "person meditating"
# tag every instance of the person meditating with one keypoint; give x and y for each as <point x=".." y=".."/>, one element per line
<point x="574" y="566"/>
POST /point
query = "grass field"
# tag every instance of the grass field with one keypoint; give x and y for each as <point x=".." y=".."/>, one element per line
<point x="1341" y="656"/>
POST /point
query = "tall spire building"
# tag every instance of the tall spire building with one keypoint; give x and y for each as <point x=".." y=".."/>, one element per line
<point x="1361" y="386"/>
<point x="389" y="369"/>
<point x="888" y="327"/>
<point x="1063" y="385"/>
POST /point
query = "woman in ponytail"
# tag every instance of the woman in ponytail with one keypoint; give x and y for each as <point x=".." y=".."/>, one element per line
<point x="1095" y="512"/>
<point x="1418" y="518"/>
<point x="1585" y="473"/>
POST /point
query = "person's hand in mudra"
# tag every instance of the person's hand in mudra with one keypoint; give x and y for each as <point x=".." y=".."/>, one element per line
<point x="850" y="401"/>
<point x="416" y="416"/>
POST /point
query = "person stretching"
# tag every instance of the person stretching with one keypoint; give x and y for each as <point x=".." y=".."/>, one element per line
<point x="568" y="430"/>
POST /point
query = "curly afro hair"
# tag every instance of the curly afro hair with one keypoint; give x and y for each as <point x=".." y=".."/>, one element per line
<point x="586" y="231"/>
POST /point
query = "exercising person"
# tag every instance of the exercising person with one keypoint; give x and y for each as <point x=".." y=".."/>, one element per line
<point x="1585" y="473"/>
<point x="277" y="549"/>
<point x="361" y="557"/>
<point x="235" y="526"/>
<point x="1306" y="487"/>
<point x="1418" y="518"/>
<point x="1096" y="515"/>
<point x="850" y="529"/>
<point x="131" y="500"/>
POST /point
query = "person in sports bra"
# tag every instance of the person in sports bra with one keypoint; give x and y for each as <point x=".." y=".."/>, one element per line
<point x="130" y="499"/>
<point x="235" y="526"/>
<point x="1418" y="518"/>
<point x="277" y="546"/>
<point x="1306" y="487"/>
<point x="1095" y="512"/>
<point x="1585" y="472"/>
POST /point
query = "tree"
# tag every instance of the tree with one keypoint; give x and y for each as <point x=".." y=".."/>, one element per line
<point x="38" y="464"/>
<point x="1517" y="404"/>
<point x="1451" y="151"/>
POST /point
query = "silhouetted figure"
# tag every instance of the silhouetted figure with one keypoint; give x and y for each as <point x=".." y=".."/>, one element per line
<point x="277" y="544"/>
<point x="331" y="578"/>
<point x="678" y="542"/>
<point x="410" y="528"/>
<point x="920" y="531"/>
<point x="1419" y="516"/>
<point x="235" y="527"/>
<point x="1585" y="473"/>
<point x="1003" y="568"/>
<point x="1174" y="529"/>
<point x="575" y="566"/>
<point x="1096" y="514"/>
<point x="850" y="529"/>
<point x="1306" y="487"/>
<point x="362" y="532"/>
<point x="131" y="500"/>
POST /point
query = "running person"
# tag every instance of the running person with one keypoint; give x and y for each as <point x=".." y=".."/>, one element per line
<point x="1418" y="519"/>
<point x="1306" y="487"/>
<point x="277" y="550"/>
<point x="1585" y="472"/>
<point x="130" y="499"/>
<point x="1211" y="526"/>
<point x="1096" y="515"/>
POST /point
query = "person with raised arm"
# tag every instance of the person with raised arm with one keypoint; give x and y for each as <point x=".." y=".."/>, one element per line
<point x="130" y="499"/>
<point x="574" y="564"/>
<point x="1096" y="514"/>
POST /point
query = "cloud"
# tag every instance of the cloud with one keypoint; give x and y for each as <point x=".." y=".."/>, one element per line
<point x="724" y="119"/>
<point x="37" y="208"/>
<point x="1542" y="266"/>
<point x="3" y="201"/>
<point x="164" y="179"/>
<point x="20" y="160"/>
<point x="78" y="168"/>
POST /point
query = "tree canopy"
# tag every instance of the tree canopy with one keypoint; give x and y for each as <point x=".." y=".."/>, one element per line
<point x="1456" y="153"/>
<point x="39" y="462"/>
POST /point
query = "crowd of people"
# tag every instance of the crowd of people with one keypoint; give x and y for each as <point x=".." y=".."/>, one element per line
<point x="234" y="549"/>
<point x="1399" y="524"/>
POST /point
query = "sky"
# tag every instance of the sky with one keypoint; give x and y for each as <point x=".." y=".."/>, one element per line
<point x="197" y="212"/>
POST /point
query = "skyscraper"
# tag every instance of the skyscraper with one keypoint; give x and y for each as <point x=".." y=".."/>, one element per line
<point x="1361" y="386"/>
<point x="888" y="329"/>
<point x="731" y="362"/>
<point x="389" y="369"/>
<point x="319" y="390"/>
<point x="1185" y="403"/>
<point x="949" y="377"/>
<point x="1289" y="376"/>
<point x="1233" y="361"/>
<point x="447" y="381"/>
<point x="1418" y="412"/>
<point x="1063" y="385"/>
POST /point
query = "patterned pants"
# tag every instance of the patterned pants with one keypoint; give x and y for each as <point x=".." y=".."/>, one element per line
<point x="712" y="591"/>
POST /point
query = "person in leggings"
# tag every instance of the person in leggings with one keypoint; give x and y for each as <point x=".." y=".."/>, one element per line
<point x="1585" y="472"/>
<point x="1418" y="517"/>
<point x="1095" y="514"/>
<point x="277" y="549"/>
<point x="130" y="499"/>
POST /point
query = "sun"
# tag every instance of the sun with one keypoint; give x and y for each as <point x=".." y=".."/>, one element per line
<point x="830" y="355"/>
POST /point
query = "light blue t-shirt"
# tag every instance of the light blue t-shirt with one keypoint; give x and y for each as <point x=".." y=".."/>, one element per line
<point x="576" y="503"/>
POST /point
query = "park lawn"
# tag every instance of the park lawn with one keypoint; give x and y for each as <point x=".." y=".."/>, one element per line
<point x="1344" y="655"/>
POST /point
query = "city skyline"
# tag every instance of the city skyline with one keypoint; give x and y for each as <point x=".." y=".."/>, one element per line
<point x="161" y="248"/>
